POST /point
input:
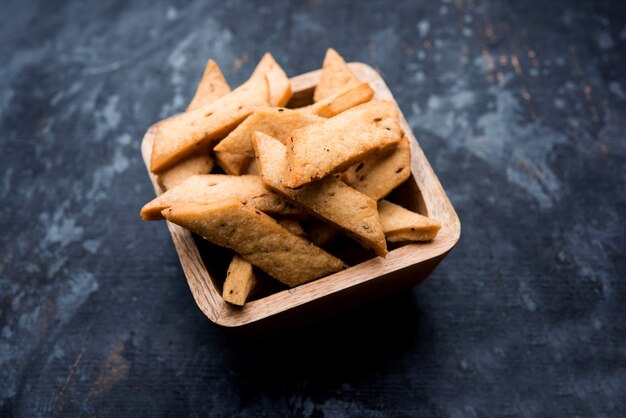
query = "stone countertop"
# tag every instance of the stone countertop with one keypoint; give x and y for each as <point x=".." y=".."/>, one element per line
<point x="519" y="105"/>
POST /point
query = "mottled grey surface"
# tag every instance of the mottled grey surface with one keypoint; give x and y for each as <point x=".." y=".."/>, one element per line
<point x="520" y="107"/>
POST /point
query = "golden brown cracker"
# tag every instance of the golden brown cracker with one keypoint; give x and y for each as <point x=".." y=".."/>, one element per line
<point x="336" y="75"/>
<point x="319" y="150"/>
<point x="240" y="281"/>
<point x="212" y="86"/>
<point x="278" y="82"/>
<point x="276" y="122"/>
<point x="259" y="239"/>
<point x="264" y="65"/>
<point x="201" y="163"/>
<point x="186" y="133"/>
<point x="352" y="96"/>
<point x="378" y="174"/>
<point x="400" y="224"/>
<point x="211" y="187"/>
<point x="330" y="199"/>
<point x="279" y="85"/>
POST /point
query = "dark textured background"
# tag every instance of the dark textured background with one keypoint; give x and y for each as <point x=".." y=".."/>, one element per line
<point x="520" y="107"/>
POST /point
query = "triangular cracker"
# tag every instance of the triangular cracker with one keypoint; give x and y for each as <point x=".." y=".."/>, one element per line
<point x="400" y="224"/>
<point x="184" y="134"/>
<point x="278" y="82"/>
<point x="377" y="175"/>
<point x="352" y="95"/>
<point x="276" y="122"/>
<point x="240" y="281"/>
<point x="212" y="86"/>
<point x="330" y="199"/>
<point x="319" y="150"/>
<point x="259" y="239"/>
<point x="201" y="163"/>
<point x="336" y="75"/>
<point x="212" y="187"/>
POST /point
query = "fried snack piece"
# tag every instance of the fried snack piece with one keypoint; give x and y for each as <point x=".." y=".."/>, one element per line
<point x="330" y="200"/>
<point x="212" y="187"/>
<point x="235" y="164"/>
<point x="240" y="281"/>
<point x="336" y="75"/>
<point x="319" y="232"/>
<point x="377" y="175"/>
<point x="184" y="134"/>
<point x="259" y="239"/>
<point x="278" y="82"/>
<point x="266" y="62"/>
<point x="400" y="224"/>
<point x="279" y="85"/>
<point x="318" y="150"/>
<point x="201" y="163"/>
<point x="276" y="122"/>
<point x="352" y="96"/>
<point x="293" y="227"/>
<point x="212" y="86"/>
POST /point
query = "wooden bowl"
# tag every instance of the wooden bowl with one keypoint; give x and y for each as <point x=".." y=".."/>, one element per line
<point x="404" y="267"/>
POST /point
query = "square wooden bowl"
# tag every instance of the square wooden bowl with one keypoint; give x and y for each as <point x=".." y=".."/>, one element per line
<point x="403" y="268"/>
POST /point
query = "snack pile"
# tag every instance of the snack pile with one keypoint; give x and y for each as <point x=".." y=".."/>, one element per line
<point x="295" y="179"/>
